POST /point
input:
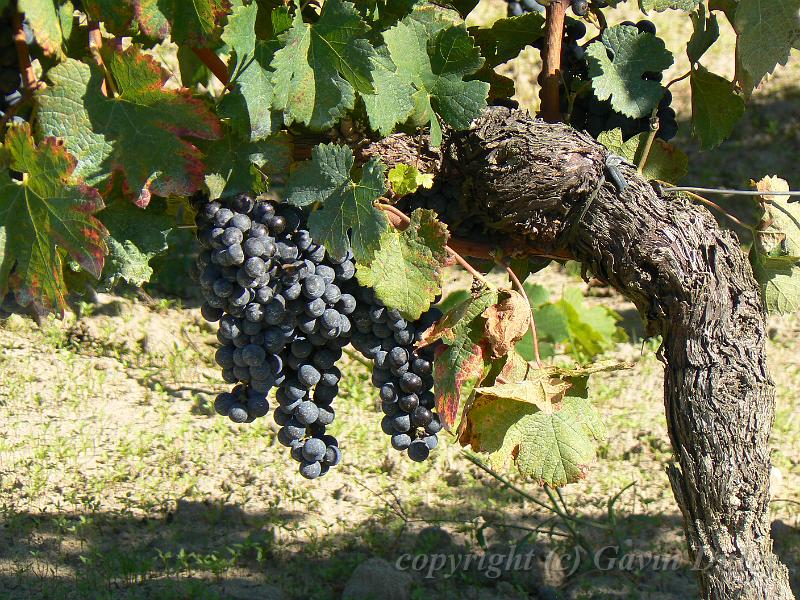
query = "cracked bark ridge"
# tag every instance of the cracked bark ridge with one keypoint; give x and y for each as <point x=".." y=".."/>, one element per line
<point x="692" y="284"/>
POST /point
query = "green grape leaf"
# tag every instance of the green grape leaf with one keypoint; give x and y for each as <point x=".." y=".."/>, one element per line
<point x="704" y="35"/>
<point x="537" y="294"/>
<point x="392" y="103"/>
<point x="382" y="14"/>
<point x="66" y="20"/>
<point x="116" y="15"/>
<point x="452" y="300"/>
<point x="42" y="16"/>
<point x="434" y="17"/>
<point x="233" y="165"/>
<point x="766" y="32"/>
<point x="500" y="86"/>
<point x="239" y="32"/>
<point x="280" y="20"/>
<point x="437" y="67"/>
<point x="464" y="7"/>
<point x="620" y="78"/>
<point x="249" y="104"/>
<point x="462" y="365"/>
<point x="406" y="271"/>
<point x="552" y="328"/>
<point x="550" y="438"/>
<point x="405" y="180"/>
<point x="664" y="163"/>
<point x="45" y="215"/>
<point x="197" y="23"/>
<point x="779" y="280"/>
<point x="506" y="38"/>
<point x="322" y="65"/>
<point x="192" y="70"/>
<point x="135" y="237"/>
<point x="585" y="332"/>
<point x="347" y="204"/>
<point x="716" y="107"/>
<point x="593" y="329"/>
<point x="131" y="133"/>
<point x="662" y="5"/>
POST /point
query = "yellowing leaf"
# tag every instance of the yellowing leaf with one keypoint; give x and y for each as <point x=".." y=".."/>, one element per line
<point x="527" y="419"/>
<point x="775" y="254"/>
<point x="46" y="214"/>
<point x="140" y="132"/>
<point x="540" y="389"/>
<point x="406" y="271"/>
<point x="406" y="179"/>
<point x="773" y="183"/>
<point x="459" y="368"/>
<point x="778" y="234"/>
<point x="553" y="447"/>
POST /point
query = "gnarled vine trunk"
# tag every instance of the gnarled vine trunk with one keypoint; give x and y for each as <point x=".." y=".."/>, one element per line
<point x="537" y="184"/>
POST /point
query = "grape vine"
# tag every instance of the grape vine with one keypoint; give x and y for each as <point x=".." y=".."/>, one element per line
<point x="260" y="129"/>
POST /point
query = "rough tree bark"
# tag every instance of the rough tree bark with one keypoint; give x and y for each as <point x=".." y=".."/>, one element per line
<point x="531" y="181"/>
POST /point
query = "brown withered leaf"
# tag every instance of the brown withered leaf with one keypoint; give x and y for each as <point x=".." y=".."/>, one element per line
<point x="506" y="322"/>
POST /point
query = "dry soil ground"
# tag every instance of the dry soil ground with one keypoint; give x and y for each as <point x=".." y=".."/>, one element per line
<point x="117" y="481"/>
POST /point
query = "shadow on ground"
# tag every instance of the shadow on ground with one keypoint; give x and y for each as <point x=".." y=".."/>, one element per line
<point x="204" y="551"/>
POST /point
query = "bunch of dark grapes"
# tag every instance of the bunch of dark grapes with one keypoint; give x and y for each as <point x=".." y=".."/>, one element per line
<point x="595" y="116"/>
<point x="403" y="374"/>
<point x="283" y="320"/>
<point x="10" y="76"/>
<point x="286" y="309"/>
<point x="517" y="8"/>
